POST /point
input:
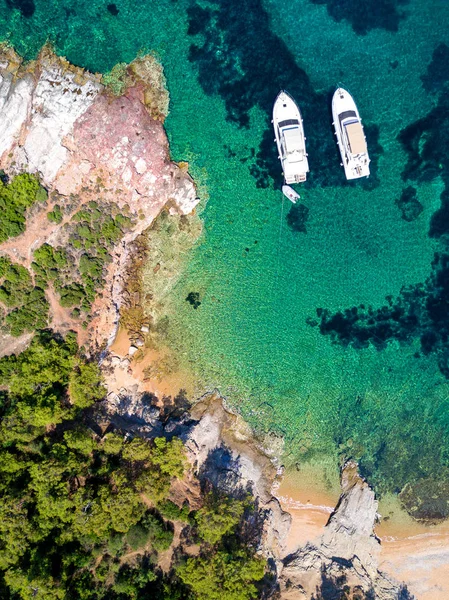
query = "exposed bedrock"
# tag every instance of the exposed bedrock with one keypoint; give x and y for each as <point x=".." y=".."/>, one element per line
<point x="220" y="448"/>
<point x="86" y="143"/>
<point x="224" y="454"/>
<point x="61" y="122"/>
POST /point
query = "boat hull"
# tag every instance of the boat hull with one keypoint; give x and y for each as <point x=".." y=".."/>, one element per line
<point x="350" y="135"/>
<point x="290" y="139"/>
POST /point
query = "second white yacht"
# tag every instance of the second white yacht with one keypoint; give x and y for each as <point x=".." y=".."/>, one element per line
<point x="350" y="135"/>
<point x="290" y="140"/>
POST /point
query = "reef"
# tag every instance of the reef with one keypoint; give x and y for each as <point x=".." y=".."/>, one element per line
<point x="375" y="14"/>
<point x="409" y="205"/>
<point x="297" y="218"/>
<point x="420" y="311"/>
<point x="416" y="318"/>
<point x="437" y="75"/>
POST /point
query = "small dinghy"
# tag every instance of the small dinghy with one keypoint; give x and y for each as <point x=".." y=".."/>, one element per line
<point x="290" y="193"/>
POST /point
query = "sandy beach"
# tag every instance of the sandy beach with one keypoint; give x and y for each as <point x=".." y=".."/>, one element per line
<point x="411" y="552"/>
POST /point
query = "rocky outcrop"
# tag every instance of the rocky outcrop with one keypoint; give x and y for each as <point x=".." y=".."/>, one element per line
<point x="62" y="123"/>
<point x="347" y="556"/>
<point x="224" y="453"/>
<point x="220" y="448"/>
<point x="41" y="107"/>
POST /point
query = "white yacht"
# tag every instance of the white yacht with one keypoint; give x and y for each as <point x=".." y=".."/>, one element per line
<point x="291" y="143"/>
<point x="350" y="135"/>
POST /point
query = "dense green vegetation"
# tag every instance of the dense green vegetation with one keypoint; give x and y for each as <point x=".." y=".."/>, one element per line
<point x="218" y="517"/>
<point x="15" y="197"/>
<point x="76" y="271"/>
<point x="224" y="575"/>
<point x="84" y="512"/>
<point x="26" y="307"/>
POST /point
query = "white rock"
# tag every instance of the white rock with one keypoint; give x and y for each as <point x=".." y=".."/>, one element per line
<point x="141" y="166"/>
<point x="145" y="329"/>
<point x="58" y="101"/>
<point x="127" y="175"/>
<point x="132" y="350"/>
<point x="15" y="103"/>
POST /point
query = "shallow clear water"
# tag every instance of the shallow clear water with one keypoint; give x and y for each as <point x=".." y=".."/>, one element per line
<point x="256" y="335"/>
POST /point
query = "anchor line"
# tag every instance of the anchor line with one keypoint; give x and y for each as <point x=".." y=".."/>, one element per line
<point x="279" y="239"/>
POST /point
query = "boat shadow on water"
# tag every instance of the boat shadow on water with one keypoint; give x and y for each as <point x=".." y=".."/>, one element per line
<point x="242" y="61"/>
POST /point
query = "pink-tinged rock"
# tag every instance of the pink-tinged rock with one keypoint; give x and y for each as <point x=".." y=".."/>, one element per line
<point x="126" y="150"/>
<point x="62" y="123"/>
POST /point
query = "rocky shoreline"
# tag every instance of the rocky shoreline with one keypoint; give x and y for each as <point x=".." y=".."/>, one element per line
<point x="84" y="142"/>
<point x="222" y="450"/>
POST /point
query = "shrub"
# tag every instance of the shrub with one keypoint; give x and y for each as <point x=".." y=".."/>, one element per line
<point x="71" y="295"/>
<point x="15" y="197"/>
<point x="115" y="80"/>
<point x="172" y="512"/>
<point x="55" y="216"/>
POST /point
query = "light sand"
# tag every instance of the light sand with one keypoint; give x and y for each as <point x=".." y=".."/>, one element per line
<point x="310" y="496"/>
<point x="411" y="552"/>
<point x="169" y="385"/>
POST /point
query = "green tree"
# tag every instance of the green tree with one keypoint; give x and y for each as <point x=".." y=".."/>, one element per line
<point x="80" y="440"/>
<point x="222" y="576"/>
<point x="15" y="530"/>
<point x="218" y="517"/>
<point x="86" y="385"/>
<point x="169" y="456"/>
<point x="112" y="443"/>
<point x="36" y="381"/>
<point x="137" y="450"/>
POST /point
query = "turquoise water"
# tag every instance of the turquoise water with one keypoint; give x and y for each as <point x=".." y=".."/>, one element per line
<point x="373" y="385"/>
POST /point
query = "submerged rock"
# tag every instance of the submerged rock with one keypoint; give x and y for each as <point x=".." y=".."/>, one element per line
<point x="427" y="500"/>
<point x="409" y="205"/>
